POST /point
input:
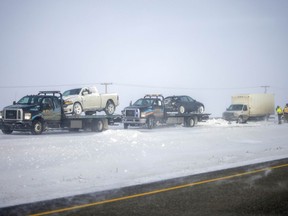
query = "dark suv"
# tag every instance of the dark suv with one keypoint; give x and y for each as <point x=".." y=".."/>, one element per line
<point x="183" y="104"/>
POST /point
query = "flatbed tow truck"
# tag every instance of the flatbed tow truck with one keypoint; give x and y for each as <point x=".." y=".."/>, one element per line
<point x="44" y="111"/>
<point x="150" y="111"/>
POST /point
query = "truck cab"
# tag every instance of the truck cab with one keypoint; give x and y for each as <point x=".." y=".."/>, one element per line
<point x="32" y="112"/>
<point x="237" y="112"/>
<point x="145" y="111"/>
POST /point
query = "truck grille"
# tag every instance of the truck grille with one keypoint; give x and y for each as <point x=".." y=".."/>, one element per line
<point x="132" y="113"/>
<point x="228" y="116"/>
<point x="13" y="114"/>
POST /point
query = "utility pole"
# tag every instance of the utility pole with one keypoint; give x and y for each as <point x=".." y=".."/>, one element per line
<point x="265" y="88"/>
<point x="106" y="84"/>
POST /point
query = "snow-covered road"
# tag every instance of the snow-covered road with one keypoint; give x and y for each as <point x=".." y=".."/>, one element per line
<point x="58" y="164"/>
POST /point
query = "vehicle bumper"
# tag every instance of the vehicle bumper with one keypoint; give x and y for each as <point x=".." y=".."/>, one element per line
<point x="233" y="117"/>
<point x="134" y="121"/>
<point x="68" y="108"/>
<point x="229" y="116"/>
<point x="16" y="125"/>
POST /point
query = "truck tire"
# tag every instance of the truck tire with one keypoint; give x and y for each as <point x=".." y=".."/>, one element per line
<point x="37" y="127"/>
<point x="240" y="120"/>
<point x="7" y="130"/>
<point x="181" y="109"/>
<point x="97" y="125"/>
<point x="100" y="125"/>
<point x="150" y="122"/>
<point x="77" y="108"/>
<point x="190" y="122"/>
<point x="110" y="108"/>
<point x="126" y="126"/>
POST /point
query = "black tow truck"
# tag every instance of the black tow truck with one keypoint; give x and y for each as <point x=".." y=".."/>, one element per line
<point x="38" y="113"/>
<point x="151" y="110"/>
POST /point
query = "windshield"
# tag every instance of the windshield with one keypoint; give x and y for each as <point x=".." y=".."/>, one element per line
<point x="144" y="102"/>
<point x="29" y="100"/>
<point x="235" y="107"/>
<point x="71" y="92"/>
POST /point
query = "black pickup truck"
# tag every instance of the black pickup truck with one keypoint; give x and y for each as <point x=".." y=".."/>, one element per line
<point x="151" y="110"/>
<point x="37" y="113"/>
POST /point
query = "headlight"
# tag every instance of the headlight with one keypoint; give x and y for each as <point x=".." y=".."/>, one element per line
<point x="1" y="114"/>
<point x="27" y="116"/>
<point x="143" y="115"/>
<point x="68" y="102"/>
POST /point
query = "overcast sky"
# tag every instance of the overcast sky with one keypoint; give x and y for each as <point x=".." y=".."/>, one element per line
<point x="208" y="49"/>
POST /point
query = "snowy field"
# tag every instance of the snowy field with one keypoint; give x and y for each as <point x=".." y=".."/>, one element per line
<point x="59" y="163"/>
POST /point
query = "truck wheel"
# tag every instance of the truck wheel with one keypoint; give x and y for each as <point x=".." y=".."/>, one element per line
<point x="201" y="109"/>
<point x="77" y="108"/>
<point x="37" y="127"/>
<point x="97" y="125"/>
<point x="150" y="122"/>
<point x="7" y="130"/>
<point x="181" y="109"/>
<point x="100" y="125"/>
<point x="191" y="122"/>
<point x="240" y="120"/>
<point x="110" y="108"/>
<point x="125" y="126"/>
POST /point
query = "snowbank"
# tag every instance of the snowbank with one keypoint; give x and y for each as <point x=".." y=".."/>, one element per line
<point x="58" y="163"/>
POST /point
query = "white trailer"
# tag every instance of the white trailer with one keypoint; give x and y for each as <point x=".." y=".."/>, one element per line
<point x="248" y="106"/>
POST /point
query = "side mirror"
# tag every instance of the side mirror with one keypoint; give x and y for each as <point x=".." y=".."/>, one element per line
<point x="14" y="102"/>
<point x="130" y="103"/>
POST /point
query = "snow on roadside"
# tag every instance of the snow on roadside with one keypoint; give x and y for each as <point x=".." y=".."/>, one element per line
<point x="58" y="164"/>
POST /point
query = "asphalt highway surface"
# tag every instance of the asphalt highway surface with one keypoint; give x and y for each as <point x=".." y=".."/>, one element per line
<point x="260" y="189"/>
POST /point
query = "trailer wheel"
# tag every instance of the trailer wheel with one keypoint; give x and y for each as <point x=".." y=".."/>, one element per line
<point x="77" y="108"/>
<point x="37" y="127"/>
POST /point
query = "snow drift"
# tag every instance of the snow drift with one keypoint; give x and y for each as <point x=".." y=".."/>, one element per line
<point x="58" y="163"/>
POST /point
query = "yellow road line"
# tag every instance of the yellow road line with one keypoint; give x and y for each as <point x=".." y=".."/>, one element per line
<point x="159" y="191"/>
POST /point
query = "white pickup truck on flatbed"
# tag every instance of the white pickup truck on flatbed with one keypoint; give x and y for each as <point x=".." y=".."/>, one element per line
<point x="89" y="100"/>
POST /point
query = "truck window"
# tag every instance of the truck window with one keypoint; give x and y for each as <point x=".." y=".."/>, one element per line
<point x="158" y="103"/>
<point x="48" y="101"/>
<point x="72" y="92"/>
<point x="56" y="102"/>
<point x="235" y="107"/>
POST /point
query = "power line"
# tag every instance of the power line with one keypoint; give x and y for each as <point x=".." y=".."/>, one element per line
<point x="141" y="86"/>
<point x="47" y="86"/>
